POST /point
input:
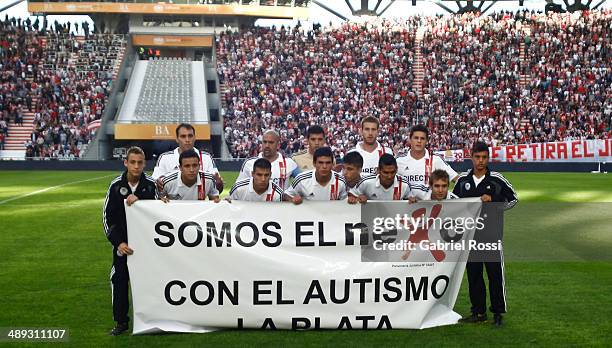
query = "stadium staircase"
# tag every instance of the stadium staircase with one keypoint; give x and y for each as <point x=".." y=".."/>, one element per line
<point x="525" y="78"/>
<point x="419" y="72"/>
<point x="223" y="93"/>
<point x="17" y="135"/>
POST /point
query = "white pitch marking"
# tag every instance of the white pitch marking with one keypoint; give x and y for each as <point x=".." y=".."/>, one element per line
<point x="51" y="188"/>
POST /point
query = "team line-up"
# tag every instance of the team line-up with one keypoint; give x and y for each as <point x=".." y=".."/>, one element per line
<point x="370" y="171"/>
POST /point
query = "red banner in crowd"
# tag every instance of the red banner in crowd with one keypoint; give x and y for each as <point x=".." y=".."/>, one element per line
<point x="597" y="150"/>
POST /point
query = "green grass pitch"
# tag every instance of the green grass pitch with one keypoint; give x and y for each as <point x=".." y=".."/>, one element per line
<point x="55" y="262"/>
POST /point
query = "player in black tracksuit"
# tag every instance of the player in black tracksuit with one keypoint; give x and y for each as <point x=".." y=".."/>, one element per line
<point x="132" y="185"/>
<point x="493" y="187"/>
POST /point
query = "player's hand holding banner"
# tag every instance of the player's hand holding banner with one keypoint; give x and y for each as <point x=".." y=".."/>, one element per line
<point x="199" y="266"/>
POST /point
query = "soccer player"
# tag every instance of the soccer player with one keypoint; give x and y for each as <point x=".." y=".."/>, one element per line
<point x="258" y="187"/>
<point x="438" y="187"/>
<point x="169" y="161"/>
<point x="282" y="167"/>
<point x="189" y="183"/>
<point x="316" y="139"/>
<point x="418" y="164"/>
<point x="387" y="185"/>
<point x="320" y="184"/>
<point x="351" y="168"/>
<point x="130" y="186"/>
<point x="490" y="187"/>
<point x="370" y="149"/>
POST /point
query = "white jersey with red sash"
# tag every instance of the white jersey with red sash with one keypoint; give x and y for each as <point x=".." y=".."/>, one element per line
<point x="370" y="159"/>
<point x="169" y="162"/>
<point x="307" y="186"/>
<point x="175" y="189"/>
<point x="283" y="168"/>
<point x="400" y="190"/>
<point x="243" y="190"/>
<point x="418" y="171"/>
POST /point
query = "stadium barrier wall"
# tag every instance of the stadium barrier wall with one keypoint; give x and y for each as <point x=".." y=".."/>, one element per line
<point x="234" y="165"/>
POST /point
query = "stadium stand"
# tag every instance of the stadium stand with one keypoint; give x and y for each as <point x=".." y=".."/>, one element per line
<point x="287" y="79"/>
<point x="20" y="54"/>
<point x="505" y="78"/>
<point x="471" y="86"/>
<point x="571" y="77"/>
<point x="166" y="93"/>
<point x="482" y="77"/>
<point x="54" y="84"/>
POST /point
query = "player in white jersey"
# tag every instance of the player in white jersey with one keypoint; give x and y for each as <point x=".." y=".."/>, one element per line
<point x="385" y="186"/>
<point x="283" y="167"/>
<point x="169" y="161"/>
<point x="257" y="188"/>
<point x="370" y="149"/>
<point x="418" y="164"/>
<point x="189" y="183"/>
<point x="438" y="186"/>
<point x="319" y="184"/>
<point x="351" y="168"/>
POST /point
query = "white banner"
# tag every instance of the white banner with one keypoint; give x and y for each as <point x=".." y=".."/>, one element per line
<point x="595" y="150"/>
<point x="200" y="266"/>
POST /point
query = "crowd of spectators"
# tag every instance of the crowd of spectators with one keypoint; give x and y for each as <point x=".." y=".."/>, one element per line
<point x="288" y="78"/>
<point x="471" y="79"/>
<point x="570" y="90"/>
<point x="40" y="73"/>
<point x="20" y="54"/>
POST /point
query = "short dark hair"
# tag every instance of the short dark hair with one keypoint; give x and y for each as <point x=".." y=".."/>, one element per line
<point x="324" y="151"/>
<point x="370" y="119"/>
<point x="419" y="128"/>
<point x="134" y="150"/>
<point x="437" y="175"/>
<point x="262" y="163"/>
<point x="353" y="158"/>
<point x="314" y="129"/>
<point x="387" y="160"/>
<point x="184" y="125"/>
<point x="188" y="154"/>
<point x="480" y="146"/>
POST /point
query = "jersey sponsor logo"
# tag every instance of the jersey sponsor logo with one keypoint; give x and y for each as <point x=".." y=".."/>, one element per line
<point x="413" y="178"/>
<point x="372" y="170"/>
